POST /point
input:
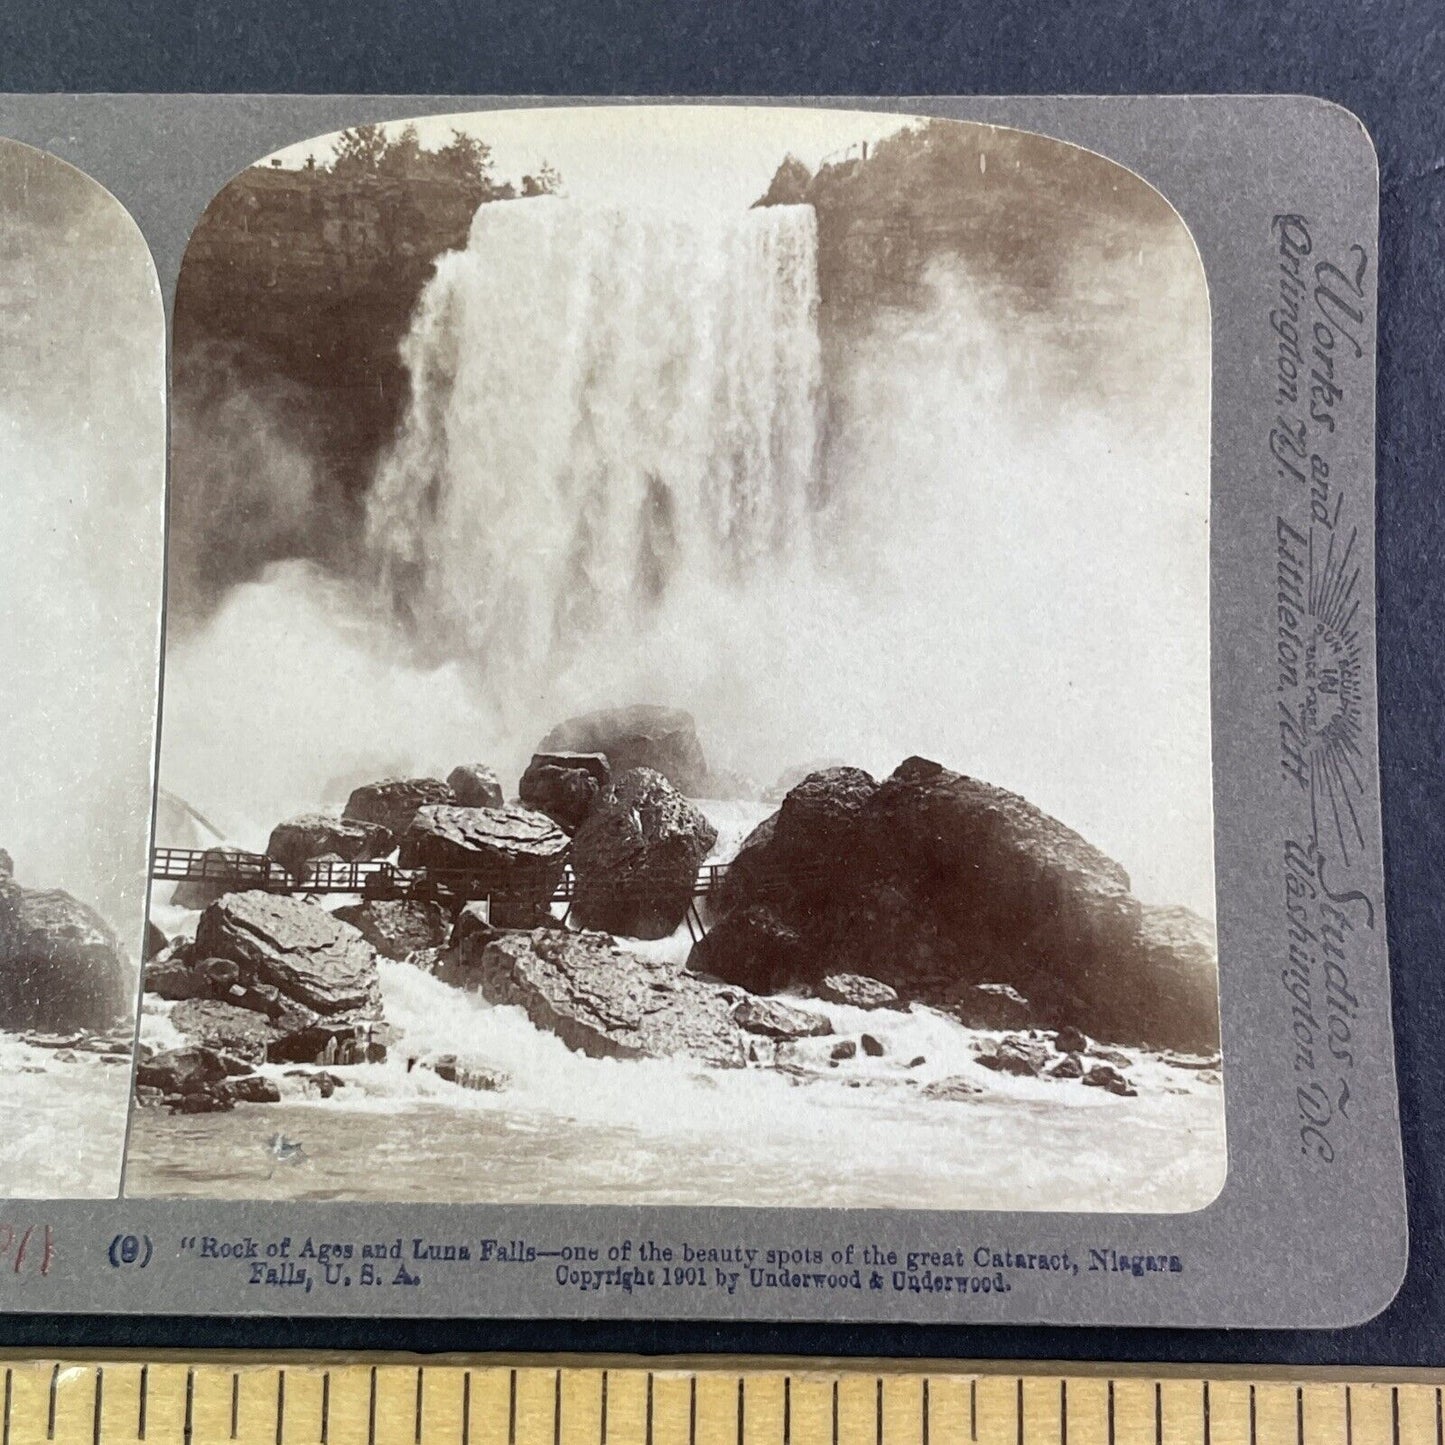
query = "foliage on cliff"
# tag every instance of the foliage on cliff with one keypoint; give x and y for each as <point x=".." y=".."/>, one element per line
<point x="465" y="161"/>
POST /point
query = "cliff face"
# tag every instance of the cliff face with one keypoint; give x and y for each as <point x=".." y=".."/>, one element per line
<point x="306" y="278"/>
<point x="1014" y="208"/>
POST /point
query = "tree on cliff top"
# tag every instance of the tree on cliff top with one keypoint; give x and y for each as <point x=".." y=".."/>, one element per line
<point x="465" y="159"/>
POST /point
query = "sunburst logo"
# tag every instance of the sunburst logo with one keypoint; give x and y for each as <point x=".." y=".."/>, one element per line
<point x="1329" y="707"/>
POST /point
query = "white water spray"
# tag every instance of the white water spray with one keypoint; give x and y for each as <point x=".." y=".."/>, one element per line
<point x="612" y="486"/>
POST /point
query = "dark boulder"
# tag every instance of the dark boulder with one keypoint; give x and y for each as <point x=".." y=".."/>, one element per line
<point x="393" y="802"/>
<point x="565" y="785"/>
<point x="61" y="967"/>
<point x="991" y="1006"/>
<point x="252" y="1089"/>
<point x="642" y="736"/>
<point x="793" y="859"/>
<point x="748" y="878"/>
<point x="1070" y="1040"/>
<point x="320" y="1082"/>
<point x="636" y="857"/>
<point x="515" y="855"/>
<point x="1105" y="1076"/>
<point x="822" y="816"/>
<point x="171" y="976"/>
<point x="774" y="1020"/>
<point x="308" y="956"/>
<point x="333" y="1043"/>
<point x="475" y="786"/>
<point x="604" y="1002"/>
<point x="155" y="941"/>
<point x="754" y="948"/>
<point x="946" y="888"/>
<point x="396" y="928"/>
<point x="220" y="975"/>
<point x="1014" y="1055"/>
<point x="188" y="1070"/>
<point x="311" y="837"/>
<point x="472" y="922"/>
<point x="791" y="777"/>
<point x="844" y="1049"/>
<point x="872" y="1046"/>
<point x="1071" y="1066"/>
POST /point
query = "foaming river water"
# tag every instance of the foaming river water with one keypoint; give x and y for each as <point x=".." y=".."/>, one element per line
<point x="572" y="1129"/>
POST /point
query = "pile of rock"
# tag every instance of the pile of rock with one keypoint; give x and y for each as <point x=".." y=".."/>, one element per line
<point x="112" y="1046"/>
<point x="515" y="854"/>
<point x="1031" y="1056"/>
<point x="964" y="896"/>
<point x="268" y="979"/>
<point x="61" y="967"/>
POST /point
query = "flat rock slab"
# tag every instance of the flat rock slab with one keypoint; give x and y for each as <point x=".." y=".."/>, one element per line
<point x="306" y="954"/>
<point x="607" y="1003"/>
<point x="453" y="837"/>
<point x="393" y="802"/>
<point x="397" y="928"/>
<point x="309" y="837"/>
<point x="517" y="855"/>
<point x="858" y="990"/>
<point x="776" y="1020"/>
<point x="954" y="1089"/>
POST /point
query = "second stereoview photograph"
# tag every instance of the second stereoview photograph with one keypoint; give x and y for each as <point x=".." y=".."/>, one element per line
<point x="82" y="474"/>
<point x="687" y="674"/>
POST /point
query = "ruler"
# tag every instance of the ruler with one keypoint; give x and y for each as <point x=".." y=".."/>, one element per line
<point x="314" y="1400"/>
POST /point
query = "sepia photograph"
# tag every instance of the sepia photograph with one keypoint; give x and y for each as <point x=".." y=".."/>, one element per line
<point x="687" y="675"/>
<point x="82" y="465"/>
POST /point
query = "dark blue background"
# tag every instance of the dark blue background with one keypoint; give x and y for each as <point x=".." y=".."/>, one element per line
<point x="1384" y="59"/>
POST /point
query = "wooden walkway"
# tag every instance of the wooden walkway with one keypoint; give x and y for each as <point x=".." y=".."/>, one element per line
<point x="233" y="871"/>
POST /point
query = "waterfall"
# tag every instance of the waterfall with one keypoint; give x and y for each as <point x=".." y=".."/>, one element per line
<point x="614" y="417"/>
<point x="610" y="487"/>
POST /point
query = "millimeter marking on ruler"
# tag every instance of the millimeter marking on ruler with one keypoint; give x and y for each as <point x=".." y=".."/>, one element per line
<point x="294" y="1401"/>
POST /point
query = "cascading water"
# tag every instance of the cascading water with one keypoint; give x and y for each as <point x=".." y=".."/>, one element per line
<point x="614" y="415"/>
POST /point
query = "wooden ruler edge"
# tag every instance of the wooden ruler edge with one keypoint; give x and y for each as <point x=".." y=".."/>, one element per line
<point x="740" y="1365"/>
